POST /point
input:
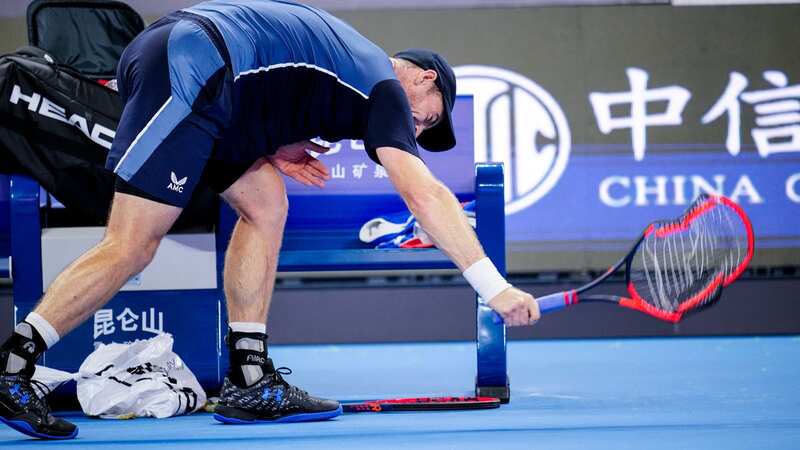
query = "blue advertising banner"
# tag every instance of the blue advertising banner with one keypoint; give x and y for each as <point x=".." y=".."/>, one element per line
<point x="131" y="316"/>
<point x="634" y="164"/>
<point x="352" y="172"/>
<point x="606" y="197"/>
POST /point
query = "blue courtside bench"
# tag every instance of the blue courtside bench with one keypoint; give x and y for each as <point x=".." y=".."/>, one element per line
<point x="321" y="235"/>
<point x="186" y="275"/>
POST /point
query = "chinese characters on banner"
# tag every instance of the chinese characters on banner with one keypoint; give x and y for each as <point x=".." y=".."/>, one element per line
<point x="107" y="322"/>
<point x="638" y="99"/>
<point x="778" y="110"/>
<point x="340" y="171"/>
<point x="776" y="130"/>
<point x="777" y="125"/>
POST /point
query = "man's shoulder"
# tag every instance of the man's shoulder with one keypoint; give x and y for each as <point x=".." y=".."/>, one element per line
<point x="388" y="89"/>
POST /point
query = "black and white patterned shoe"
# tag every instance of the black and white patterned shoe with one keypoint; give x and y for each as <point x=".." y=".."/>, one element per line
<point x="272" y="400"/>
<point x="24" y="410"/>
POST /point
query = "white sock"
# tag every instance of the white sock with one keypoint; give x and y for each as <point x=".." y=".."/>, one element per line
<point x="248" y="327"/>
<point x="43" y="327"/>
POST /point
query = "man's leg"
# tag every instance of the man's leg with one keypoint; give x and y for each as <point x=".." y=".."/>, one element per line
<point x="254" y="391"/>
<point x="135" y="228"/>
<point x="259" y="197"/>
<point x="172" y="80"/>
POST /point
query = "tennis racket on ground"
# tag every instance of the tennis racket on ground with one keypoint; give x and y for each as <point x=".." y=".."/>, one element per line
<point x="422" y="404"/>
<point x="676" y="267"/>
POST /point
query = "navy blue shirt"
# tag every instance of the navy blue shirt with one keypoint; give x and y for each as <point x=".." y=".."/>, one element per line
<point x="301" y="73"/>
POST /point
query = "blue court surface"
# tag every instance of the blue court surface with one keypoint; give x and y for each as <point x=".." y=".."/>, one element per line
<point x="709" y="393"/>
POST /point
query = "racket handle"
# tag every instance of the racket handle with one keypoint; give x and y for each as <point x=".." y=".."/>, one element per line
<point x="557" y="301"/>
<point x="551" y="303"/>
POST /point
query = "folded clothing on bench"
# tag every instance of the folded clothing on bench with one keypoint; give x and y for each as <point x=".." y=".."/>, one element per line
<point x="401" y="230"/>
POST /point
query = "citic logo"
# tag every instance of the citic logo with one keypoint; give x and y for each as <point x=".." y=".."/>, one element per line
<point x="519" y="124"/>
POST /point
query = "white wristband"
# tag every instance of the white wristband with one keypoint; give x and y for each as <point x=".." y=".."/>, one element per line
<point x="486" y="280"/>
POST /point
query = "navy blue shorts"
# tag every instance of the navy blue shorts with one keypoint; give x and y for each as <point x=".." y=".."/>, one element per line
<point x="176" y="82"/>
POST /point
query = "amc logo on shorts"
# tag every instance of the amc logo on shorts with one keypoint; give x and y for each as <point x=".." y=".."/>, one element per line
<point x="519" y="124"/>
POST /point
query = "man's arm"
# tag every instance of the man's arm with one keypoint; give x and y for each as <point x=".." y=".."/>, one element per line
<point x="440" y="214"/>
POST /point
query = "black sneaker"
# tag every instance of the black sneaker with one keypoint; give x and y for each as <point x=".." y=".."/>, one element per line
<point x="272" y="400"/>
<point x="22" y="409"/>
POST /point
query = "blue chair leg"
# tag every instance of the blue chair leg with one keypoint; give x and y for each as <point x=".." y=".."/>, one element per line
<point x="26" y="240"/>
<point x="492" y="378"/>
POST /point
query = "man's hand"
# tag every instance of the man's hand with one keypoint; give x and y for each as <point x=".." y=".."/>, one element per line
<point x="516" y="307"/>
<point x="294" y="161"/>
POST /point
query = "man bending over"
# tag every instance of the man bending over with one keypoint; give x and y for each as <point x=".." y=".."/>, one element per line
<point x="229" y="92"/>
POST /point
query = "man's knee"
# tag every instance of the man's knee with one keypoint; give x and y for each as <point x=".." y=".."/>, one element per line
<point x="267" y="212"/>
<point x="129" y="255"/>
<point x="135" y="228"/>
<point x="259" y="197"/>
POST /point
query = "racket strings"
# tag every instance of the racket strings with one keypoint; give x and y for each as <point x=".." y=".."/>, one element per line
<point x="682" y="264"/>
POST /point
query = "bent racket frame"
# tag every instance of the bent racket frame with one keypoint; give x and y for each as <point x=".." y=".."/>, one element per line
<point x="422" y="404"/>
<point x="703" y="298"/>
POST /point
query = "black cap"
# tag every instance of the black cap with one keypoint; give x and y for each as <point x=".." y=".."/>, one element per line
<point x="441" y="137"/>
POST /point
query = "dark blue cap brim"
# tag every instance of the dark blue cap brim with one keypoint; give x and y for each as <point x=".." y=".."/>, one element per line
<point x="441" y="137"/>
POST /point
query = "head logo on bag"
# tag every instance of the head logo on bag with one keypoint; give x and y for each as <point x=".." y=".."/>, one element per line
<point x="43" y="106"/>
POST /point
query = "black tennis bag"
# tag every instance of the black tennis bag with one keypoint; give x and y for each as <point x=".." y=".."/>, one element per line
<point x="86" y="35"/>
<point x="57" y="121"/>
